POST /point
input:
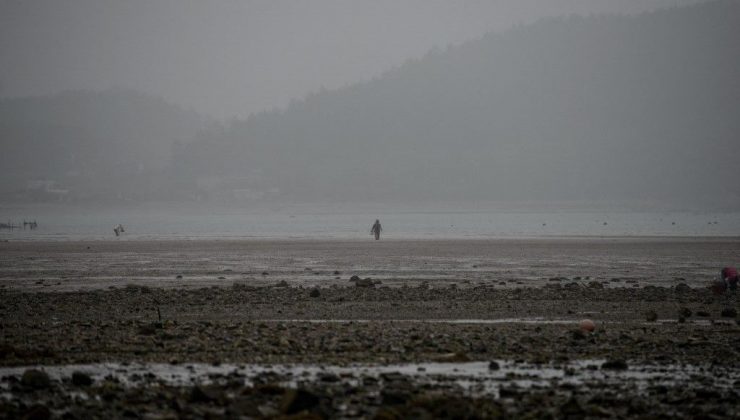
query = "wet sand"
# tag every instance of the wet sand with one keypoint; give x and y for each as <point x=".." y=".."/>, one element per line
<point x="270" y="305"/>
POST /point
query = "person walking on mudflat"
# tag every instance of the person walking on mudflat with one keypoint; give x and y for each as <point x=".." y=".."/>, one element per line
<point x="376" y="229"/>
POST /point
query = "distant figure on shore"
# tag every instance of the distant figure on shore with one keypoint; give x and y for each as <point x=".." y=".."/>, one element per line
<point x="376" y="229"/>
<point x="118" y="229"/>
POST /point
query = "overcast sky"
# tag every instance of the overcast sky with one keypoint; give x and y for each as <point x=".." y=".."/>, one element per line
<point x="233" y="58"/>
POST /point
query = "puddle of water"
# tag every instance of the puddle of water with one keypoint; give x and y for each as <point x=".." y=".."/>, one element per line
<point x="433" y="321"/>
<point x="475" y="377"/>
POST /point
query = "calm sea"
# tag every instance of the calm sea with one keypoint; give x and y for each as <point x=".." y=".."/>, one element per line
<point x="348" y="222"/>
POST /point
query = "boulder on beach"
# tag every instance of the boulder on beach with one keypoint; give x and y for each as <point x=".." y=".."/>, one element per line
<point x="614" y="364"/>
<point x="81" y="379"/>
<point x="365" y="283"/>
<point x="35" y="379"/>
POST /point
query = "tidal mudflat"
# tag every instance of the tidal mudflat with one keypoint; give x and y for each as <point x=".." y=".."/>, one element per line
<point x="440" y="329"/>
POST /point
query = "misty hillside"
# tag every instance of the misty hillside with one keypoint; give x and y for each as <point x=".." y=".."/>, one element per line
<point x="78" y="145"/>
<point x="643" y="107"/>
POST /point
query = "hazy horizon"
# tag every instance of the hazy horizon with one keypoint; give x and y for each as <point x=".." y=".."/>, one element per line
<point x="232" y="59"/>
<point x="584" y="103"/>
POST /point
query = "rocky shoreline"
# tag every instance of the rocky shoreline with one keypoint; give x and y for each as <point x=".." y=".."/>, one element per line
<point x="396" y="348"/>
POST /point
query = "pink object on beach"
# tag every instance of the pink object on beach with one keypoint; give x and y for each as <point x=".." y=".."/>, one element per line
<point x="587" y="325"/>
<point x="729" y="273"/>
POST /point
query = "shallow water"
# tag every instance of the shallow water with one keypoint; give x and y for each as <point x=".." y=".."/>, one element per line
<point x="345" y="222"/>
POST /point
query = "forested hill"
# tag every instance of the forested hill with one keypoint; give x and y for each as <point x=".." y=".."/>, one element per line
<point x="619" y="107"/>
<point x="114" y="143"/>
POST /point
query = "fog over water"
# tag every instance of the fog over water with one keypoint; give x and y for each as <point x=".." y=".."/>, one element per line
<point x="299" y="119"/>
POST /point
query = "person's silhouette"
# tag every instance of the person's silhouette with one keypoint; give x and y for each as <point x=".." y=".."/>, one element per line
<point x="376" y="229"/>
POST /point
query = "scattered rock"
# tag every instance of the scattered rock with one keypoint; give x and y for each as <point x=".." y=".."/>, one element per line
<point x="296" y="400"/>
<point x="682" y="288"/>
<point x="205" y="394"/>
<point x="35" y="379"/>
<point x="729" y="313"/>
<point x="364" y="283"/>
<point x="282" y="283"/>
<point x="572" y="408"/>
<point x="81" y="379"/>
<point x="651" y="316"/>
<point x="147" y="329"/>
<point x="684" y="312"/>
<point x="315" y="292"/>
<point x="37" y="412"/>
<point x="614" y="364"/>
<point x="354" y="278"/>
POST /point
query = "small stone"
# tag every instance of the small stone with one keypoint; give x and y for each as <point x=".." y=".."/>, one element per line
<point x="729" y="313"/>
<point x="684" y="312"/>
<point x="651" y="316"/>
<point x="147" y="329"/>
<point x="587" y="325"/>
<point x="682" y="288"/>
<point x="354" y="278"/>
<point x="365" y="283"/>
<point x="35" y="379"/>
<point x="493" y="365"/>
<point x="315" y="292"/>
<point x="572" y="408"/>
<point x="201" y="394"/>
<point x="37" y="412"/>
<point x="179" y="276"/>
<point x="296" y="400"/>
<point x="265" y="273"/>
<point x="614" y="364"/>
<point x="81" y="379"/>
